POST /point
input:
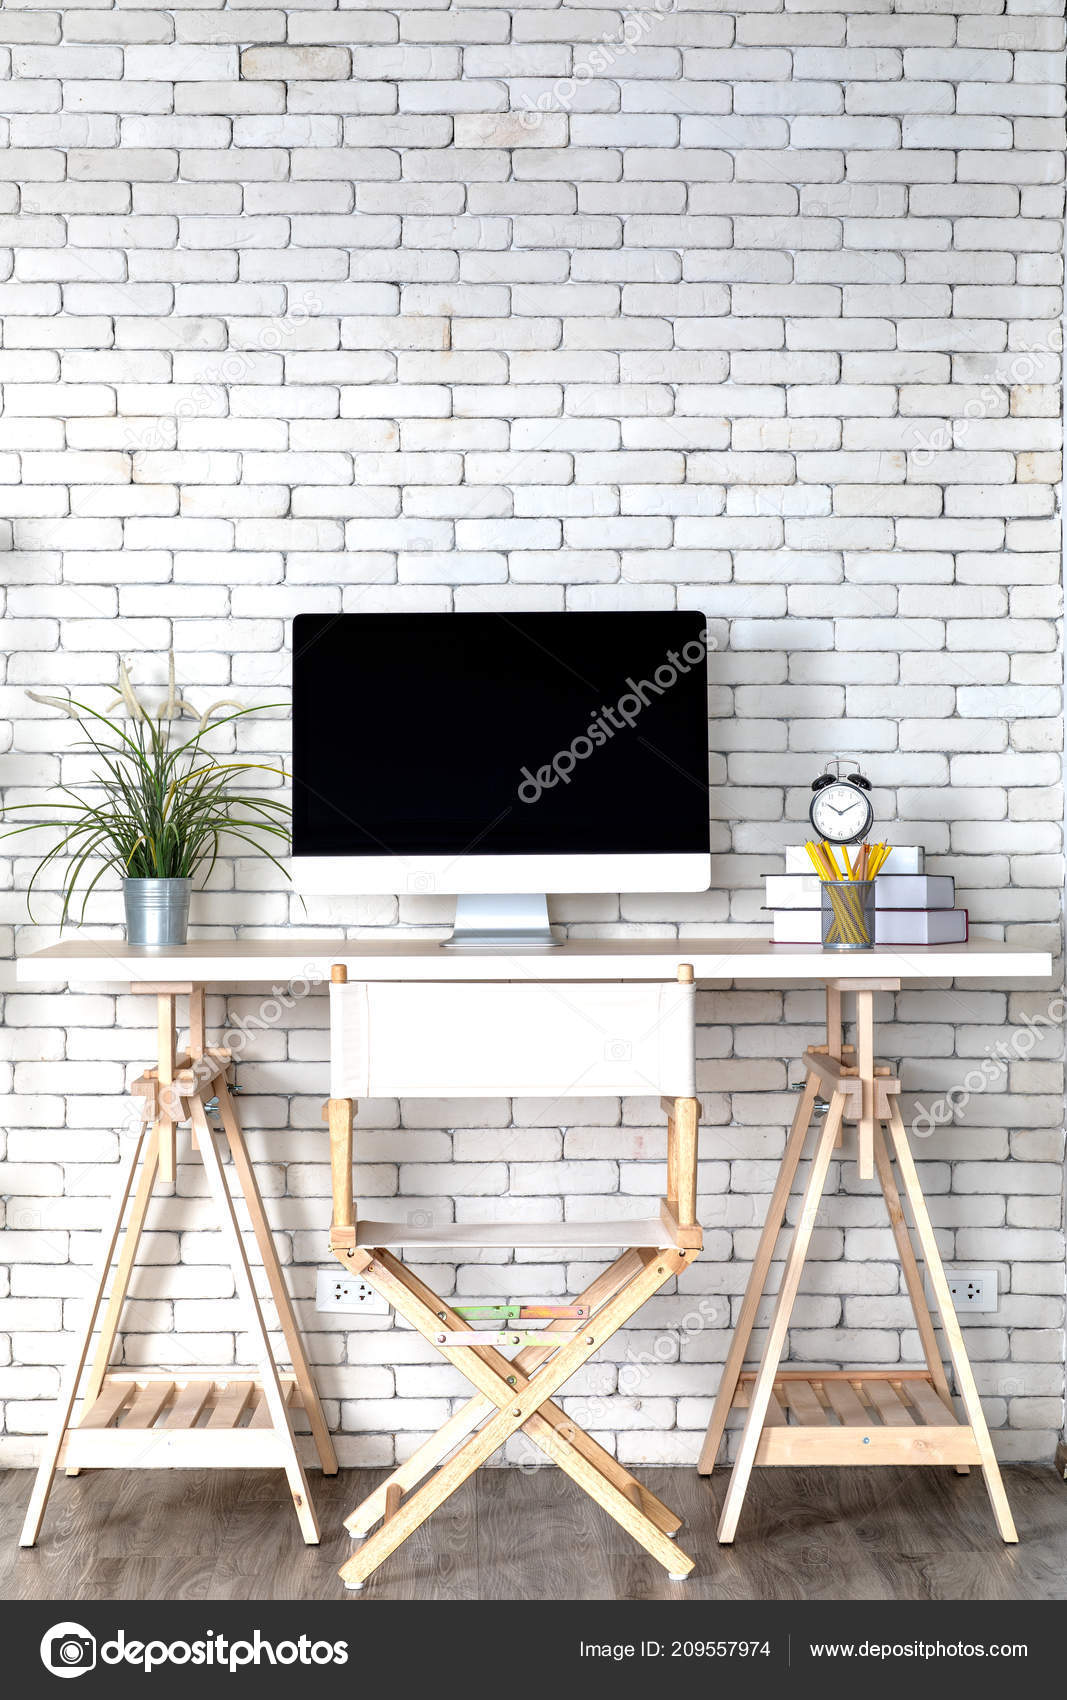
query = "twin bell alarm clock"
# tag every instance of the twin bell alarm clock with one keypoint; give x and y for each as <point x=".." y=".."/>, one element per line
<point x="841" y="810"/>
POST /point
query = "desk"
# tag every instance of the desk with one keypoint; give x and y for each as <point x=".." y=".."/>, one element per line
<point x="180" y="1087"/>
<point x="739" y="957"/>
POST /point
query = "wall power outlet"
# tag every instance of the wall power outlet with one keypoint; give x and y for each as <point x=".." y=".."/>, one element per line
<point x="347" y="1292"/>
<point x="973" y="1289"/>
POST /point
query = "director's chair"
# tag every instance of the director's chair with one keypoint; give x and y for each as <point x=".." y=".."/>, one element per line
<point x="529" y="1039"/>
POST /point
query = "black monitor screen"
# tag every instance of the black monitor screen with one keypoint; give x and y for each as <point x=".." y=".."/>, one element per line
<point x="493" y="734"/>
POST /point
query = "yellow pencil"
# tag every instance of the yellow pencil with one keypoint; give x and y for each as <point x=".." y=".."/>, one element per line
<point x="819" y="861"/>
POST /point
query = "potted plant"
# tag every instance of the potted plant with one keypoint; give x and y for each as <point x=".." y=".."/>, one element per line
<point x="156" y="809"/>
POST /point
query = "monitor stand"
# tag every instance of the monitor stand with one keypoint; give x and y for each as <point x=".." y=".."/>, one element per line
<point x="505" y="924"/>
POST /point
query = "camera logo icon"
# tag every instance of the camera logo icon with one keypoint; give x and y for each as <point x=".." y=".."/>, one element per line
<point x="420" y="880"/>
<point x="618" y="1050"/>
<point x="68" y="1649"/>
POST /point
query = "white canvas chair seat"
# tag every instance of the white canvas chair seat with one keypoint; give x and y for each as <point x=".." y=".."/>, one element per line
<point x="475" y="1040"/>
<point x="419" y="1039"/>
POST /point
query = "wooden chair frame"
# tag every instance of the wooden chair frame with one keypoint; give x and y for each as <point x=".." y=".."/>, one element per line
<point x="518" y="1393"/>
<point x="162" y="1419"/>
<point x="866" y="1417"/>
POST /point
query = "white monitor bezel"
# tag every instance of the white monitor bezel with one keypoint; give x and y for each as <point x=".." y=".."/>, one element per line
<point x="452" y="876"/>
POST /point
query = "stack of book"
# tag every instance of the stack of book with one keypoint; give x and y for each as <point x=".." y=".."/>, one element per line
<point x="911" y="907"/>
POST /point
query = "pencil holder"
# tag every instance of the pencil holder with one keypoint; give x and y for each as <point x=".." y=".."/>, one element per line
<point x="848" y="914"/>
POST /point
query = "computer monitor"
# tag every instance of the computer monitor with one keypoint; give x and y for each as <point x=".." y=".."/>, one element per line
<point x="499" y="757"/>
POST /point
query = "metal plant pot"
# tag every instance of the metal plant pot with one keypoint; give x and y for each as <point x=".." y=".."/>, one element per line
<point x="157" y="911"/>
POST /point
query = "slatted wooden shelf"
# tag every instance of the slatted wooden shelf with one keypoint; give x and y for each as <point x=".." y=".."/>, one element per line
<point x="171" y="1422"/>
<point x="859" y="1417"/>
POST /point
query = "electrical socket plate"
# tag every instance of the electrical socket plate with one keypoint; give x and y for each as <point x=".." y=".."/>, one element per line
<point x="347" y="1292"/>
<point x="973" y="1289"/>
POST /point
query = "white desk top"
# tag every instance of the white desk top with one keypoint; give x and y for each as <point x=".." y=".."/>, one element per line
<point x="733" y="956"/>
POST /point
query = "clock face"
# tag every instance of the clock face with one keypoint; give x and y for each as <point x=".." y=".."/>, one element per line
<point x="841" y="813"/>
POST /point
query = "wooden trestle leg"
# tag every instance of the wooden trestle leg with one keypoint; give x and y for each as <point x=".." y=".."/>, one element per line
<point x="860" y="1416"/>
<point x="169" y="1419"/>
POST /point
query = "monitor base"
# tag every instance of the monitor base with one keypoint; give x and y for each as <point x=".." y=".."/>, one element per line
<point x="504" y="923"/>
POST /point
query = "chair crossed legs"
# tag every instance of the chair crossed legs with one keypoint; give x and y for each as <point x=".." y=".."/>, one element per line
<point x="613" y="1040"/>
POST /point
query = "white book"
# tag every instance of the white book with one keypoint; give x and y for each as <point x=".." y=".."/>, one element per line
<point x="902" y="859"/>
<point x="797" y="926"/>
<point x="793" y="891"/>
<point x="891" y="926"/>
<point x="914" y="891"/>
<point x="920" y="926"/>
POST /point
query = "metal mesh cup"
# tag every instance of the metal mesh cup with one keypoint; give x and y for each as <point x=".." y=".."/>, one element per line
<point x="848" y="914"/>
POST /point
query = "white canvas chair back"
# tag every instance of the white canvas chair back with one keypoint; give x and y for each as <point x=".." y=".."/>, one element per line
<point x="419" y="1039"/>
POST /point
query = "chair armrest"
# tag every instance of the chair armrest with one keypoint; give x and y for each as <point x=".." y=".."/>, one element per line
<point x="343" y="1226"/>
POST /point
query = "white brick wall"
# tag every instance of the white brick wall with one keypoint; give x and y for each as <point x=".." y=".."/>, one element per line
<point x="462" y="307"/>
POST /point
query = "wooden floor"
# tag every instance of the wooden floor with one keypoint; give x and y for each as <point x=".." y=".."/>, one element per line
<point x="805" y="1534"/>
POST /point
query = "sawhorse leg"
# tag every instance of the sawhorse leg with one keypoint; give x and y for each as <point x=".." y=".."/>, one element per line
<point x="160" y="1164"/>
<point x="102" y="1438"/>
<point x="276" y="1403"/>
<point x="957" y="1351"/>
<point x="846" y="1417"/>
<point x="913" y="1279"/>
<point x="120" y="1286"/>
<point x="42" y="1484"/>
<point x="757" y="1279"/>
<point x="783" y="1310"/>
<point x="246" y="1177"/>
